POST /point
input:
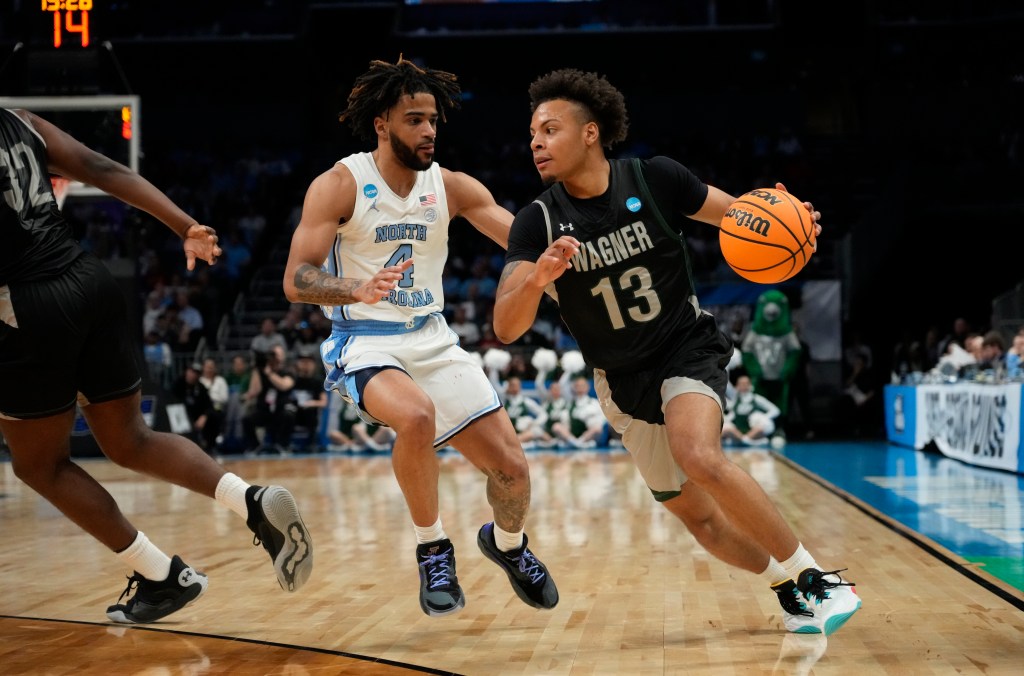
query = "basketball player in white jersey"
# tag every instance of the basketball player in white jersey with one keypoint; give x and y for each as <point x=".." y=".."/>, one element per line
<point x="369" y="249"/>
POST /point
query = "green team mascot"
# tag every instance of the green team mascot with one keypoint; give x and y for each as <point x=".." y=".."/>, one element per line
<point x="771" y="354"/>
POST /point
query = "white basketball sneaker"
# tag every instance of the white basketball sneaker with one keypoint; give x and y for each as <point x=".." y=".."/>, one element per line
<point x="832" y="599"/>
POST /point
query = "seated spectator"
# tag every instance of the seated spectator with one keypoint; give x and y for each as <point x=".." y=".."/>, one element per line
<point x="190" y="317"/>
<point x="750" y="417"/>
<point x="526" y="413"/>
<point x="217" y="386"/>
<point x="992" y="353"/>
<point x="267" y="339"/>
<point x="586" y="420"/>
<point x="243" y="389"/>
<point x="310" y="399"/>
<point x="159" y="359"/>
<point x="306" y="341"/>
<point x="275" y="409"/>
<point x="196" y="399"/>
<point x="467" y="330"/>
<point x="353" y="434"/>
<point x="154" y="308"/>
<point x="556" y="410"/>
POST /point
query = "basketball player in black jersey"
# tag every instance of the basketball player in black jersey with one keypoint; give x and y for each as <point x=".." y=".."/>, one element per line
<point x="605" y="241"/>
<point x="65" y="340"/>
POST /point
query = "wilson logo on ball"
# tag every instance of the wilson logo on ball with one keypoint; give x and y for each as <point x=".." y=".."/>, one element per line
<point x="767" y="236"/>
<point x="745" y="219"/>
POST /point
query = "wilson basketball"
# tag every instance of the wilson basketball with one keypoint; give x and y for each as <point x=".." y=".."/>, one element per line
<point x="767" y="236"/>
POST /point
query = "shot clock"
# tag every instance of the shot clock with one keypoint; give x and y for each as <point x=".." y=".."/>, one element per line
<point x="70" y="21"/>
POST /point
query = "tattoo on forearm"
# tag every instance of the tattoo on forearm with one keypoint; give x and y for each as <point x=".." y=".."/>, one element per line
<point x="508" y="271"/>
<point x="317" y="287"/>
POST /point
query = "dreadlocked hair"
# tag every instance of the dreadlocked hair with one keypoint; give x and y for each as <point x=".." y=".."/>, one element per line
<point x="384" y="84"/>
<point x="601" y="101"/>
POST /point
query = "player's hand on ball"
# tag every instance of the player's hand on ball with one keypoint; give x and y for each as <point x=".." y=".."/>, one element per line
<point x="815" y="215"/>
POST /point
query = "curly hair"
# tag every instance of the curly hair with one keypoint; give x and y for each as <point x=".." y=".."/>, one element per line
<point x="384" y="84"/>
<point x="601" y="101"/>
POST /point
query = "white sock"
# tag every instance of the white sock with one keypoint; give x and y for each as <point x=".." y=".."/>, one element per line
<point x="431" y="533"/>
<point x="507" y="541"/>
<point x="800" y="561"/>
<point x="146" y="559"/>
<point x="774" y="573"/>
<point x="231" y="493"/>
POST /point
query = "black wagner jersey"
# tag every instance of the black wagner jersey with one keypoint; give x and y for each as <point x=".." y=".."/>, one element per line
<point x="35" y="240"/>
<point x="628" y="299"/>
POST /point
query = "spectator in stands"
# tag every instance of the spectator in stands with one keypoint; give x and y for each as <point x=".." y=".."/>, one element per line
<point x="556" y="412"/>
<point x="196" y="399"/>
<point x="275" y="409"/>
<point x="467" y="330"/>
<point x="176" y="332"/>
<point x="288" y="325"/>
<point x="353" y="434"/>
<point x="154" y="308"/>
<point x="267" y="339"/>
<point x="958" y="335"/>
<point x="586" y="420"/>
<point x="310" y="399"/>
<point x="159" y="359"/>
<point x="217" y="387"/>
<point x="243" y="390"/>
<point x="526" y="413"/>
<point x="191" y="319"/>
<point x="749" y="417"/>
<point x="306" y="341"/>
<point x="992" y="353"/>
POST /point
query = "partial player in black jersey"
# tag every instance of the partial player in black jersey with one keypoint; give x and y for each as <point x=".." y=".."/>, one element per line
<point x="65" y="342"/>
<point x="605" y="241"/>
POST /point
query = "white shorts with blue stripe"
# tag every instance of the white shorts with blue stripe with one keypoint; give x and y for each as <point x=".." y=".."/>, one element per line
<point x="427" y="350"/>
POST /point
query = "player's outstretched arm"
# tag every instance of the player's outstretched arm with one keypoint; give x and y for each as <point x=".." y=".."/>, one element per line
<point x="72" y="159"/>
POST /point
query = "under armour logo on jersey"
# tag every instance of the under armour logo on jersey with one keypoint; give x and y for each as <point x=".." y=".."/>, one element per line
<point x="565" y="226"/>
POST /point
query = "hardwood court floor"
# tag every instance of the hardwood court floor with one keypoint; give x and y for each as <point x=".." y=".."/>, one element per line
<point x="638" y="596"/>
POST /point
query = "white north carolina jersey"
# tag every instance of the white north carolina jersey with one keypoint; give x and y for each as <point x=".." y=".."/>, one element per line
<point x="384" y="230"/>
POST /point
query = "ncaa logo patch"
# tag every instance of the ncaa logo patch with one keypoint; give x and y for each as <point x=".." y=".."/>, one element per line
<point x="430" y="215"/>
<point x="370" y="191"/>
<point x="633" y="204"/>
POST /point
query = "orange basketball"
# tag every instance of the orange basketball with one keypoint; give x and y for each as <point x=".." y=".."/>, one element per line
<point x="767" y="236"/>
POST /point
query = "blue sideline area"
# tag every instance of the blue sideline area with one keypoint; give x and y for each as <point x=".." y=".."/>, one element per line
<point x="971" y="511"/>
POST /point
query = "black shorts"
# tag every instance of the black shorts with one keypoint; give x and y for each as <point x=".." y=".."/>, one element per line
<point x="72" y="337"/>
<point x="702" y="356"/>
